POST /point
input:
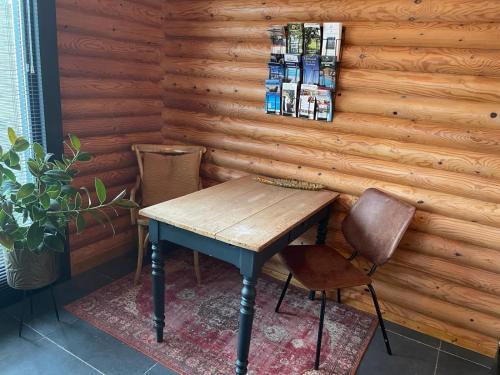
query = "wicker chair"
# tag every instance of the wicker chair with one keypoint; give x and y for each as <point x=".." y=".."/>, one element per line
<point x="165" y="172"/>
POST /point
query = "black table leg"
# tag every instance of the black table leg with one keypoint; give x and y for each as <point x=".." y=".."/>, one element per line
<point x="246" y="320"/>
<point x="158" y="274"/>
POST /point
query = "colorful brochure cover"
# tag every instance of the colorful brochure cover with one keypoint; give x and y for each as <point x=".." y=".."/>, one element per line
<point x="327" y="72"/>
<point x="295" y="38"/>
<point x="312" y="38"/>
<point x="324" y="104"/>
<point x="307" y="101"/>
<point x="293" y="71"/>
<point x="289" y="99"/>
<point x="277" y="34"/>
<point x="273" y="96"/>
<point x="310" y="64"/>
<point x="276" y="71"/>
<point x="332" y="37"/>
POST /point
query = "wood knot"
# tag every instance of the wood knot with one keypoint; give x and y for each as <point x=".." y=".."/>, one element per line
<point x="268" y="18"/>
<point x="417" y="1"/>
<point x="493" y="115"/>
<point x="411" y="19"/>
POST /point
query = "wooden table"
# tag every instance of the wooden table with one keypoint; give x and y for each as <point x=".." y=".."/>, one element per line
<point x="243" y="222"/>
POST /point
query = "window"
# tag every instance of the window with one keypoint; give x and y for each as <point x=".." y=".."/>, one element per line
<point x="21" y="94"/>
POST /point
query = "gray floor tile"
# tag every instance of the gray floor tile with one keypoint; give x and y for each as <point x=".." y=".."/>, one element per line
<point x="409" y="357"/>
<point x="100" y="349"/>
<point x="9" y="332"/>
<point x="118" y="267"/>
<point x="452" y="365"/>
<point x="80" y="286"/>
<point x="396" y="328"/>
<point x="160" y="370"/>
<point x="467" y="354"/>
<point x="39" y="357"/>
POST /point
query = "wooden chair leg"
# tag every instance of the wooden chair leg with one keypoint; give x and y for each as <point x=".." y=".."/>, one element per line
<point x="196" y="258"/>
<point x="140" y="252"/>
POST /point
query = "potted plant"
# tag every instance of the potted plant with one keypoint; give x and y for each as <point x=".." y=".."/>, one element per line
<point x="34" y="215"/>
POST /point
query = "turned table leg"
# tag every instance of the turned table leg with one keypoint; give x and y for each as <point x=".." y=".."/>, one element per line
<point x="158" y="275"/>
<point x="246" y="320"/>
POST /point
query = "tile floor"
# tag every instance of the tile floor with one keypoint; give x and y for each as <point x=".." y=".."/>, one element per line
<point x="73" y="346"/>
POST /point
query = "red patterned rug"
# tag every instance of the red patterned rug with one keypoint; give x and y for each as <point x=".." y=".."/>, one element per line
<point x="202" y="323"/>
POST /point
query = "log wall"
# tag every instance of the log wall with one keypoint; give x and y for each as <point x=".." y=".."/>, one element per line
<point x="109" y="57"/>
<point x="417" y="116"/>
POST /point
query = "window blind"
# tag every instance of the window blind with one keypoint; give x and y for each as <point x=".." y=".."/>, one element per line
<point x="21" y="102"/>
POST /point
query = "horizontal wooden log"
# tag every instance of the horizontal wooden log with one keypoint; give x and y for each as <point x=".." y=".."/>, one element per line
<point x="117" y="143"/>
<point x="280" y="146"/>
<point x="102" y="251"/>
<point x="220" y="174"/>
<point x="343" y="10"/>
<point x="452" y="250"/>
<point x="100" y="232"/>
<point x="70" y="20"/>
<point x="431" y="60"/>
<point x="364" y="33"/>
<point x="97" y="67"/>
<point x="433" y="202"/>
<point x="426" y="59"/>
<point x="106" y="162"/>
<point x="114" y="177"/>
<point x="353" y="184"/>
<point x="249" y="113"/>
<point x="395" y="128"/>
<point x="128" y="10"/>
<point x="116" y="125"/>
<point x="438" y="225"/>
<point x="97" y="46"/>
<point x="474" y="278"/>
<point x="226" y="50"/>
<point x="459" y="112"/>
<point x="433" y="85"/>
<point x="252" y="71"/>
<point x="80" y="87"/>
<point x="109" y="107"/>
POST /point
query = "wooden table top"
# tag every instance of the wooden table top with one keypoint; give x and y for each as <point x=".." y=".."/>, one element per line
<point x="241" y="212"/>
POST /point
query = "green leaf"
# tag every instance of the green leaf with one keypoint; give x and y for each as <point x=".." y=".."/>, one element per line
<point x="58" y="175"/>
<point x="1" y="151"/>
<point x="45" y="200"/>
<point x="1" y="178"/>
<point x="100" y="190"/>
<point x="39" y="151"/>
<point x="34" y="237"/>
<point x="12" y="136"/>
<point x="75" y="141"/>
<point x="84" y="156"/>
<point x="125" y="203"/>
<point x="33" y="167"/>
<point x="13" y="159"/>
<point x="20" y="145"/>
<point x="54" y="242"/>
<point x="25" y="190"/>
<point x="6" y="240"/>
<point x="53" y="191"/>
<point x="37" y="213"/>
<point x="80" y="223"/>
<point x="10" y="175"/>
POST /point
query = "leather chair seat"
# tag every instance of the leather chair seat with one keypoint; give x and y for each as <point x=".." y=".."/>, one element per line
<point x="320" y="267"/>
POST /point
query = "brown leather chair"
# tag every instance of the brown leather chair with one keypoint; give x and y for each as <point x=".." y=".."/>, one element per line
<point x="374" y="227"/>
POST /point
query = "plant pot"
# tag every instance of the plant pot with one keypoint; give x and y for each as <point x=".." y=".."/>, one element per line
<point x="27" y="270"/>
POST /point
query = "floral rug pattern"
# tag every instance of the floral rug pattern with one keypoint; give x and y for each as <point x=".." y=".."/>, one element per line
<point x="202" y="323"/>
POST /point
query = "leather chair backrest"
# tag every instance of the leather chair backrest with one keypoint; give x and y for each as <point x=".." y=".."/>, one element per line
<point x="375" y="225"/>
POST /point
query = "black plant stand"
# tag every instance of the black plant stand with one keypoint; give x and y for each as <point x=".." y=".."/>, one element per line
<point x="28" y="293"/>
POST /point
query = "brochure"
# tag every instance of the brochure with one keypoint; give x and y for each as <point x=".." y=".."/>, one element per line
<point x="289" y="99"/>
<point x="311" y="69"/>
<point x="307" y="101"/>
<point x="332" y="37"/>
<point x="295" y="38"/>
<point x="324" y="104"/>
<point x="312" y="38"/>
<point x="327" y="72"/>
<point x="273" y="96"/>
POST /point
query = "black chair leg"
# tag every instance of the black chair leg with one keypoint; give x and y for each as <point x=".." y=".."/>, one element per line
<point x="320" y="330"/>
<point x="380" y="319"/>
<point x="54" y="302"/>
<point x="338" y="296"/>
<point x="283" y="292"/>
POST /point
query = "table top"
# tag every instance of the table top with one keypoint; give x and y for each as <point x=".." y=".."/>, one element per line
<point x="241" y="212"/>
